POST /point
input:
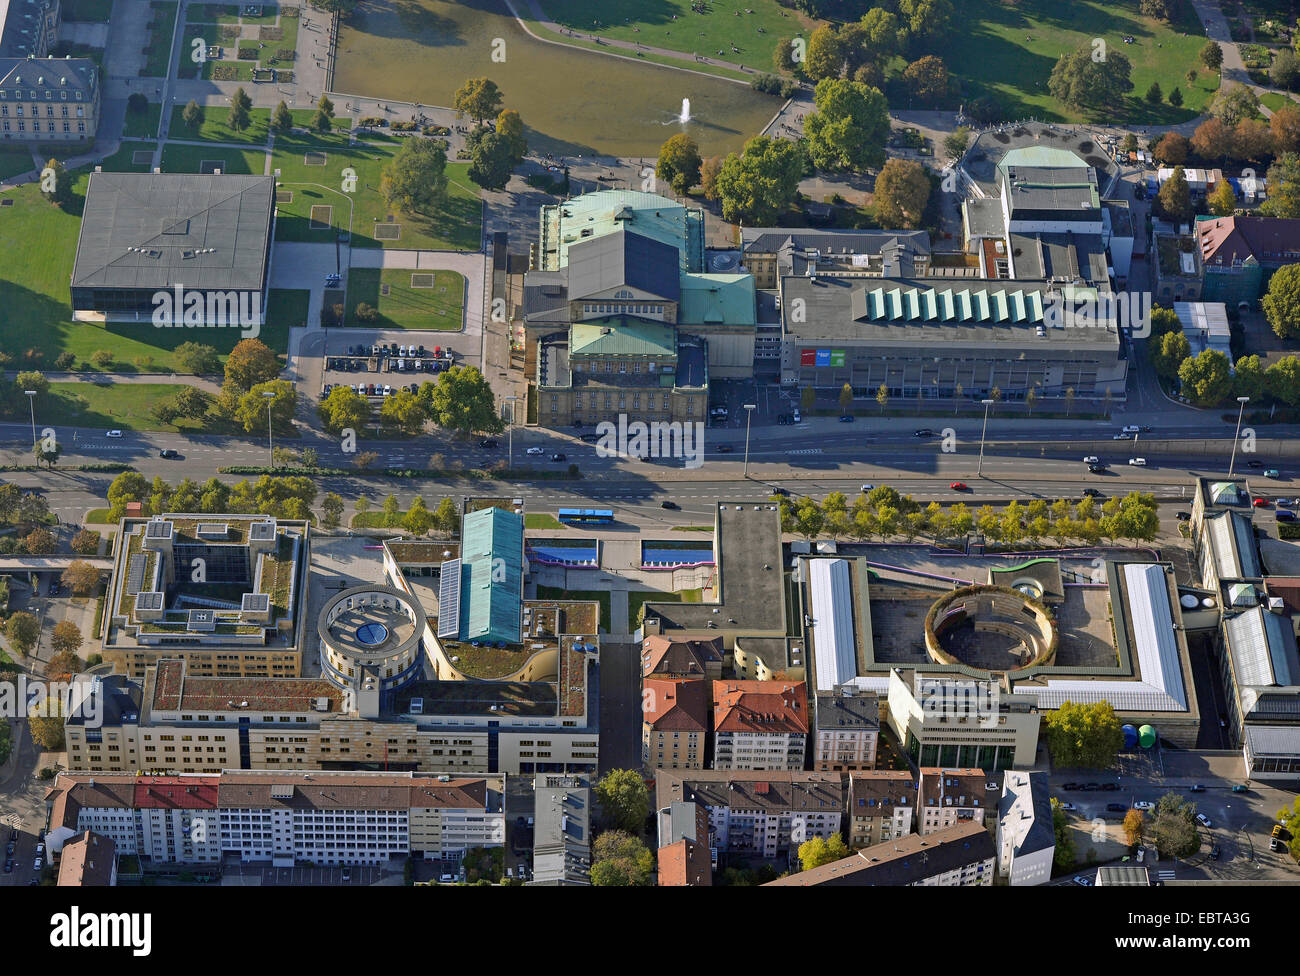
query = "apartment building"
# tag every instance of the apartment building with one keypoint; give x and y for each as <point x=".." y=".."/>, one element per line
<point x="666" y="657"/>
<point x="960" y="856"/>
<point x="281" y="818"/>
<point x="674" y="723"/>
<point x="90" y="861"/>
<point x="847" y="730"/>
<point x="760" y="725"/>
<point x="881" y="806"/>
<point x="685" y="855"/>
<point x="48" y="101"/>
<point x="562" y="834"/>
<point x="925" y="715"/>
<point x="950" y="796"/>
<point x="766" y="814"/>
<point x="1026" y="837"/>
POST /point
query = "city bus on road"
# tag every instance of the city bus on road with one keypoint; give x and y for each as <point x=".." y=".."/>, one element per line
<point x="586" y="516"/>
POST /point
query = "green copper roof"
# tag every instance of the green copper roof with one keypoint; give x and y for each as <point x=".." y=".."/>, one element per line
<point x="492" y="563"/>
<point x="1044" y="156"/>
<point x="717" y="299"/>
<point x="622" y="335"/>
<point x="605" y="211"/>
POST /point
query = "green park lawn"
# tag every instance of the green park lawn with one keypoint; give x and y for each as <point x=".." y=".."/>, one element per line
<point x="1008" y="51"/>
<point x="143" y="125"/>
<point x="89" y="11"/>
<point x="1275" y="100"/>
<point x="124" y="406"/>
<point x="215" y="128"/>
<point x="457" y="226"/>
<point x="181" y="158"/>
<point x="15" y="163"/>
<point x="123" y="161"/>
<point x="440" y="308"/>
<point x="162" y="20"/>
<point x="540" y="520"/>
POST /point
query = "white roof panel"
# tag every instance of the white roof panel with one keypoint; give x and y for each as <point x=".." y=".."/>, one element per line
<point x="832" y="613"/>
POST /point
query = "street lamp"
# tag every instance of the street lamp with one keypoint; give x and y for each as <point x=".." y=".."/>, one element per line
<point x="31" y="402"/>
<point x="510" y="433"/>
<point x="1236" y="437"/>
<point x="270" y="442"/>
<point x="749" y="415"/>
<point x="979" y="472"/>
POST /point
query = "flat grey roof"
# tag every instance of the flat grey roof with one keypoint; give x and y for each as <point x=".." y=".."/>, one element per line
<point x="1071" y="256"/>
<point x="157" y="230"/>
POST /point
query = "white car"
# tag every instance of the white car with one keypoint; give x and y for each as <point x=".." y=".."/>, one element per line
<point x="1131" y="429"/>
<point x="1143" y="805"/>
<point x="1092" y="459"/>
<point x="1081" y="880"/>
<point x="388" y="391"/>
<point x="114" y="433"/>
<point x="534" y="450"/>
<point x="1140" y="462"/>
<point x="867" y="488"/>
<point x="1204" y="821"/>
<point x="1120" y="437"/>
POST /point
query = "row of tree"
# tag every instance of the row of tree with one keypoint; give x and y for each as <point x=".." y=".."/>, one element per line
<point x="884" y="514"/>
<point x="460" y="400"/>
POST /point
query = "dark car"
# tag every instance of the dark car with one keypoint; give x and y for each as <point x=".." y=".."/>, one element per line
<point x="1183" y="516"/>
<point x="558" y="457"/>
<point x="9" y="866"/>
<point x="590" y="438"/>
<point x="1215" y="852"/>
<point x="672" y="505"/>
<point x="923" y="432"/>
<point x="1090" y="787"/>
<point x="488" y="442"/>
<point x="1096" y="469"/>
<point x="169" y="453"/>
<point x="846" y="418"/>
<point x="781" y="491"/>
<point x="1092" y="493"/>
<point x="725" y="448"/>
<point x="1196" y="788"/>
<point x="1285" y="516"/>
<point x="1071" y="786"/>
<point x="1252" y="463"/>
<point x="1116" y="808"/>
<point x="1109" y="787"/>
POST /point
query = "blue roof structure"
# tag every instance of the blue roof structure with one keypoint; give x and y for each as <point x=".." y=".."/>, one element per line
<point x="492" y="576"/>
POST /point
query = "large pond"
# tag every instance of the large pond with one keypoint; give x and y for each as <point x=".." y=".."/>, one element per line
<point x="573" y="101"/>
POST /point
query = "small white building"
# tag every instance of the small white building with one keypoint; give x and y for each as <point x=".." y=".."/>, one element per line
<point x="1026" y="838"/>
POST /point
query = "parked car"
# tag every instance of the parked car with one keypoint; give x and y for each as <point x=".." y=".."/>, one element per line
<point x="1204" y="821"/>
<point x="1241" y="788"/>
<point x="114" y="433"/>
<point x="488" y="442"/>
<point x="534" y="451"/>
<point x="1116" y="808"/>
<point x="1215" y="852"/>
<point x="169" y="454"/>
<point x="1272" y="473"/>
<point x="9" y="865"/>
<point x="1260" y="502"/>
<point x="347" y="874"/>
<point x="1143" y="805"/>
<point x="1183" y="516"/>
<point x="1069" y="807"/>
<point x="1072" y="786"/>
<point x="1285" y="503"/>
<point x="1109" y="787"/>
<point x="1091" y="493"/>
<point x="1082" y="881"/>
<point x="794" y="417"/>
<point x="1090" y="787"/>
<point x="1285" y="516"/>
<point x="1140" y="462"/>
<point x="1254" y="463"/>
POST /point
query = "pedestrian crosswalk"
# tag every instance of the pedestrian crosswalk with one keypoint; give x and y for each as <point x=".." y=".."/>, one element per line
<point x="1165" y="875"/>
<point x="14" y="821"/>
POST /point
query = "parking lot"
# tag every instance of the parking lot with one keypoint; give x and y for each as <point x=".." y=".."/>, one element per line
<point x="20" y="857"/>
<point x="371" y="369"/>
<point x="265" y="875"/>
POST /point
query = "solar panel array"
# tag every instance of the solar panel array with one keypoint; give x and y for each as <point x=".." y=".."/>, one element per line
<point x="135" y="572"/>
<point x="449" y="599"/>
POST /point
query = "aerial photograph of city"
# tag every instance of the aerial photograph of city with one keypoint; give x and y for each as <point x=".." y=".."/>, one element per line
<point x="907" y="487"/>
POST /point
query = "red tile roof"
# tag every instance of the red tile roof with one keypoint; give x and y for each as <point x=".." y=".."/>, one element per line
<point x="685" y="863"/>
<point x="663" y="655"/>
<point x="760" y="706"/>
<point x="176" y="792"/>
<point x="675" y="704"/>
<point x="1226" y="240"/>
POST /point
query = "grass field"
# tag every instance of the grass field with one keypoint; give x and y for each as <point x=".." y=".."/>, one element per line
<point x="123" y="161"/>
<point x="143" y="125"/>
<point x="600" y="596"/>
<point x="1275" y="100"/>
<point x="90" y="11"/>
<point x="215" y="129"/>
<point x="14" y="163"/>
<point x="458" y="226"/>
<point x="1009" y="52"/>
<point x="179" y="158"/>
<point x="122" y="405"/>
<point x="717" y="29"/>
<point x="250" y="37"/>
<point x="285" y="309"/>
<point x="540" y="520"/>
<point x="158" y="49"/>
<point x="440" y="308"/>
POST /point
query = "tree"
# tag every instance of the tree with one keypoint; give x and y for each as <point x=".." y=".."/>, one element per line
<point x="624" y="800"/>
<point x="1084" y="735"/>
<point x="679" y="163"/>
<point x="343" y="8"/>
<point x="1063" y="858"/>
<point x="846" y="397"/>
<point x="446" y="517"/>
<point x="60" y="189"/>
<point x="760" y="183"/>
<point x="1252" y="140"/>
<point x="251" y="362"/>
<point x="344" y="409"/>
<point x="404" y="410"/>
<point x="1088" y="85"/>
<point x="1168" y="353"/>
<point x="22" y="630"/>
<point x="1282" y="380"/>
<point x="321" y="118"/>
<point x="1285" y="69"/>
<point x="1172" y="149"/>
<point x="491" y="158"/>
<point x="1134" y="827"/>
<point x="1175" y="197"/>
<point x="40" y="542"/>
<point x="925" y="20"/>
<point x="1212" y="55"/>
<point x="418" y="519"/>
<point x="510" y="127"/>
<point x="825" y="55"/>
<point x="416" y="179"/>
<point x="1207" y="378"/>
<point x="462" y="401"/>
<point x="882" y="396"/>
<point x="86" y="542"/>
<point x="1283" y="187"/>
<point x="1213" y="140"/>
<point x="198" y="359"/>
<point x="1285" y="126"/>
<point x="479" y="98"/>
<point x="251" y="413"/>
<point x="193" y="115"/>
<point x="1222" y="200"/>
<point x="818" y="851"/>
<point x="1155" y="95"/>
<point x="1176" y="97"/>
<point x="47" y="731"/>
<point x="902" y="193"/>
<point x="331" y="507"/>
<point x="1235" y="102"/>
<point x="1159" y="9"/>
<point x="807" y="398"/>
<point x="927" y="77"/>
<point x="620" y="859"/>
<point x="281" y="119"/>
<point x="1282" y="302"/>
<point x="80" y="577"/>
<point x="1174" y="827"/>
<point x="783" y="58"/>
<point x="66" y="638"/>
<point x="1289" y="818"/>
<point x="709" y="171"/>
<point x="364" y="460"/>
<point x="1248" y="377"/>
<point x="240" y="103"/>
<point x="957" y="142"/>
<point x="850" y="127"/>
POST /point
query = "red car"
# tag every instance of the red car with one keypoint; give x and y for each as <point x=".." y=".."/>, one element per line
<point x="959" y="486"/>
<point x="1260" y="503"/>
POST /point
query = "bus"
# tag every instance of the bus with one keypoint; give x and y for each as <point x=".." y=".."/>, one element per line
<point x="586" y="516"/>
